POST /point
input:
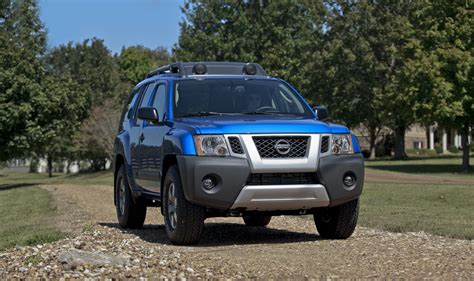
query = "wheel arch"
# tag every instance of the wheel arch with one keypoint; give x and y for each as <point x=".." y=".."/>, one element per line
<point x="118" y="162"/>
<point x="168" y="161"/>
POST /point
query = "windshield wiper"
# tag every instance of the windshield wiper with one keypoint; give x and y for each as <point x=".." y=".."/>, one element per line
<point x="266" y="113"/>
<point x="204" y="113"/>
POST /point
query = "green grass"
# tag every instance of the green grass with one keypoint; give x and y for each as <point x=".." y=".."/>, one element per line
<point x="442" y="210"/>
<point x="440" y="166"/>
<point x="8" y="179"/>
<point x="445" y="210"/>
<point x="27" y="211"/>
<point x="27" y="217"/>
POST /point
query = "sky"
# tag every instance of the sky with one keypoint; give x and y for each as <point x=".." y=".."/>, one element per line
<point x="151" y="23"/>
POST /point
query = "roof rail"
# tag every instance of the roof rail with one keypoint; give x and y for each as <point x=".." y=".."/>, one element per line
<point x="176" y="68"/>
<point x="184" y="69"/>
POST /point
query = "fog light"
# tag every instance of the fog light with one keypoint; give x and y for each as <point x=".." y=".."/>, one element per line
<point x="349" y="180"/>
<point x="208" y="183"/>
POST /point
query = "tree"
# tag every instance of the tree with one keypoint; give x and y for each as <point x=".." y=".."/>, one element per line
<point x="450" y="30"/>
<point x="136" y="61"/>
<point x="91" y="65"/>
<point x="280" y="35"/>
<point x="95" y="140"/>
<point x="351" y="81"/>
<point x="378" y="65"/>
<point x="57" y="113"/>
<point x="22" y="43"/>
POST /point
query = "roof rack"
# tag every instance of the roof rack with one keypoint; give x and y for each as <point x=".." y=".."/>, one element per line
<point x="186" y="69"/>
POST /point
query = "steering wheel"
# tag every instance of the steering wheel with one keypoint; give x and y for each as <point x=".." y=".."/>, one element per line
<point x="265" y="109"/>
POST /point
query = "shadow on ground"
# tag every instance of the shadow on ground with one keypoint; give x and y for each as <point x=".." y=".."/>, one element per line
<point x="422" y="168"/>
<point x="15" y="185"/>
<point x="226" y="234"/>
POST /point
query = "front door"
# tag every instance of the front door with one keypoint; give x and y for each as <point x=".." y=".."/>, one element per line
<point x="152" y="141"/>
<point x="136" y="137"/>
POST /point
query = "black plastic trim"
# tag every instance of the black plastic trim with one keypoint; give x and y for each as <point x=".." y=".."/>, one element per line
<point x="231" y="174"/>
<point x="331" y="171"/>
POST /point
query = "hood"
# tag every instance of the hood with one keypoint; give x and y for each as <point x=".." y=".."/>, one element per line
<point x="260" y="124"/>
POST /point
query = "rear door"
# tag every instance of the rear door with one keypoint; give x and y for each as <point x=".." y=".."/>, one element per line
<point x="134" y="129"/>
<point x="152" y="141"/>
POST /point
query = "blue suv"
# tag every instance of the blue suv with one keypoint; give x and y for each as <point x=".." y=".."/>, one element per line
<point x="216" y="139"/>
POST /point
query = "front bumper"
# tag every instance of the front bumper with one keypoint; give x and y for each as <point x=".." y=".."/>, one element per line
<point x="232" y="191"/>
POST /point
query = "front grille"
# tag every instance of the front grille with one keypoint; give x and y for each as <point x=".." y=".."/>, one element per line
<point x="324" y="144"/>
<point x="282" y="178"/>
<point x="235" y="145"/>
<point x="266" y="146"/>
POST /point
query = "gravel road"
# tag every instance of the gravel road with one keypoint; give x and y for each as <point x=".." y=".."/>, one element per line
<point x="288" y="247"/>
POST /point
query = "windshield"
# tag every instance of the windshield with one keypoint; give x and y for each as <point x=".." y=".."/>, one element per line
<point x="236" y="96"/>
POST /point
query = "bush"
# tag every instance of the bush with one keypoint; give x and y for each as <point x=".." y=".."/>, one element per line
<point x="381" y="151"/>
<point x="438" y="149"/>
<point x="421" y="152"/>
<point x="453" y="149"/>
<point x="366" y="153"/>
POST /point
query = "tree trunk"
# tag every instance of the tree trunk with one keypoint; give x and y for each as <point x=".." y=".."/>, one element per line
<point x="428" y="133"/>
<point x="465" y="166"/>
<point x="372" y="138"/>
<point x="50" y="166"/>
<point x="68" y="166"/>
<point x="34" y="165"/>
<point x="400" y="143"/>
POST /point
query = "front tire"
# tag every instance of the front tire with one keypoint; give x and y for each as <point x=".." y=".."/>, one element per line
<point x="337" y="222"/>
<point x="130" y="214"/>
<point x="256" y="220"/>
<point x="184" y="220"/>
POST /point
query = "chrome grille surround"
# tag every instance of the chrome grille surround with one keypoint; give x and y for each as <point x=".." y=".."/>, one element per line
<point x="308" y="163"/>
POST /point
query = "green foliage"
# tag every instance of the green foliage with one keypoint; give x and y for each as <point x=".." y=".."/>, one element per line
<point x="438" y="149"/>
<point x="136" y="61"/>
<point x="22" y="43"/>
<point x="453" y="149"/>
<point x="282" y="36"/>
<point x="58" y="112"/>
<point x="89" y="64"/>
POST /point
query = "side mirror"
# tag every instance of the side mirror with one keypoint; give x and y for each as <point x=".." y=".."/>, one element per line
<point x="322" y="112"/>
<point x="148" y="113"/>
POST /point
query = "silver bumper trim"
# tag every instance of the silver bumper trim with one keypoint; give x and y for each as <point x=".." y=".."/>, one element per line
<point x="282" y="197"/>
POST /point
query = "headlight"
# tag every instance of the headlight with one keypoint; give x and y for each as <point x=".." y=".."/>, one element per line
<point x="342" y="144"/>
<point x="211" y="145"/>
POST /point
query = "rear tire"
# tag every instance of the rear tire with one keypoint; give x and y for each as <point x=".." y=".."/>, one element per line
<point x="337" y="222"/>
<point x="256" y="220"/>
<point x="184" y="220"/>
<point x="130" y="214"/>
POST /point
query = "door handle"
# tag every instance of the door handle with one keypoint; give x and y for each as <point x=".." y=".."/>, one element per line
<point x="142" y="137"/>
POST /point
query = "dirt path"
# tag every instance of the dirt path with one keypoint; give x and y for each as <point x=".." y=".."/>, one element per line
<point x="288" y="247"/>
<point x="372" y="175"/>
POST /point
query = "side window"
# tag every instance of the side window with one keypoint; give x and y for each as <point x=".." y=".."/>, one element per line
<point x="144" y="99"/>
<point x="131" y="105"/>
<point x="159" y="101"/>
